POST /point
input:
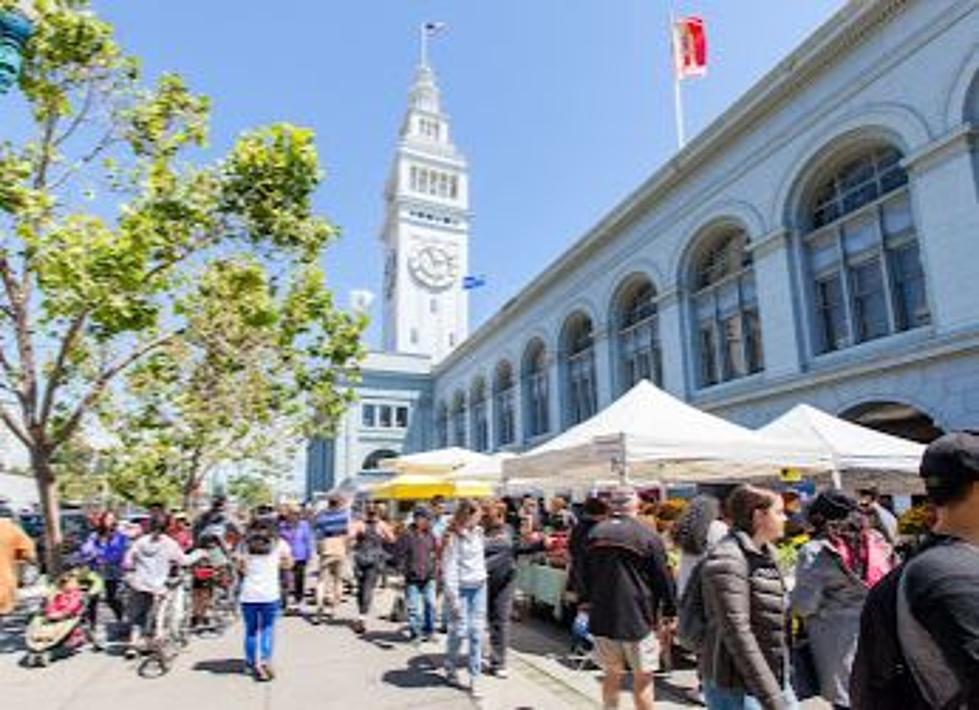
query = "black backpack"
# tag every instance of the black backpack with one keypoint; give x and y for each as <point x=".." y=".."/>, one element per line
<point x="692" y="614"/>
<point x="881" y="678"/>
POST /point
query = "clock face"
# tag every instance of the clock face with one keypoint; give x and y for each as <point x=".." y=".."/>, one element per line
<point x="433" y="265"/>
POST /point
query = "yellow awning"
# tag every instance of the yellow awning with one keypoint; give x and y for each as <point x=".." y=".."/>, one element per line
<point x="418" y="486"/>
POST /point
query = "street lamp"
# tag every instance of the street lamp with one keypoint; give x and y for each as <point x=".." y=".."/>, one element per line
<point x="15" y="29"/>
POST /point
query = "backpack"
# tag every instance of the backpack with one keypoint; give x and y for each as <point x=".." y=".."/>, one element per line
<point x="692" y="612"/>
<point x="882" y="677"/>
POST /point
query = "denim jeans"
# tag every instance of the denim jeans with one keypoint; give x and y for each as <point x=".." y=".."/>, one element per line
<point x="259" y="629"/>
<point x="728" y="699"/>
<point x="467" y="620"/>
<point x="421" y="607"/>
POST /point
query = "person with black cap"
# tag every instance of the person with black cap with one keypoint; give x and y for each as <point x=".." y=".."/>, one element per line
<point x="880" y="517"/>
<point x="836" y="568"/>
<point x="418" y="555"/>
<point x="919" y="631"/>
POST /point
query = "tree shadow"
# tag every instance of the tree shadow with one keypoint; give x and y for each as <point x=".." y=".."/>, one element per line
<point x="221" y="666"/>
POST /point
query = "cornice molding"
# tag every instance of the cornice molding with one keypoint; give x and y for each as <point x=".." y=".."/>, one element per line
<point x="770" y="243"/>
<point x="956" y="142"/>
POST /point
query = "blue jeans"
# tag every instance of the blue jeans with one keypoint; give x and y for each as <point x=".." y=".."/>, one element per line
<point x="467" y="620"/>
<point x="421" y="607"/>
<point x="728" y="699"/>
<point x="259" y="629"/>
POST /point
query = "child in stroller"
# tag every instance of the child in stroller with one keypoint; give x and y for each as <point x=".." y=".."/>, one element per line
<point x="60" y="627"/>
<point x="582" y="643"/>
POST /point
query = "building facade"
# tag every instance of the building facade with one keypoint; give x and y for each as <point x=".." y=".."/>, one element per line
<point x="811" y="245"/>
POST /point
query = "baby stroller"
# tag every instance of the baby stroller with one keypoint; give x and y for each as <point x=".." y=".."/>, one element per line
<point x="60" y="629"/>
<point x="580" y="656"/>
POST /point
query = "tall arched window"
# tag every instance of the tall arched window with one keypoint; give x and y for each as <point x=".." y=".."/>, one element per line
<point x="477" y="409"/>
<point x="504" y="404"/>
<point x="637" y="326"/>
<point x="725" y="310"/>
<point x="861" y="252"/>
<point x="537" y="421"/>
<point x="442" y="425"/>
<point x="578" y="350"/>
<point x="459" y="419"/>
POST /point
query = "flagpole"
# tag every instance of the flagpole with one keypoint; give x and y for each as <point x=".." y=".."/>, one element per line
<point x="677" y="94"/>
<point x="424" y="44"/>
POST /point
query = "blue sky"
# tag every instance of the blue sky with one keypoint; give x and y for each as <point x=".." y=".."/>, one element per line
<point x="562" y="106"/>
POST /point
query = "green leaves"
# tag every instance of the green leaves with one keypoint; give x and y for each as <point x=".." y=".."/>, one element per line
<point x="268" y="182"/>
<point x="166" y="120"/>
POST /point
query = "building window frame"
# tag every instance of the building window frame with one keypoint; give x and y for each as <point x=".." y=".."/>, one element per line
<point x="536" y="391"/>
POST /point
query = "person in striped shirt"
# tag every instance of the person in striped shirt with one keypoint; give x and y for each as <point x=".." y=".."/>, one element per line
<point x="331" y="528"/>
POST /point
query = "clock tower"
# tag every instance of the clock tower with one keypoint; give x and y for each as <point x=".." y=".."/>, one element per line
<point x="426" y="231"/>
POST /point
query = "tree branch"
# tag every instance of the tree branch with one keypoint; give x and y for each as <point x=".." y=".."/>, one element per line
<point x="54" y="379"/>
<point x="95" y="391"/>
<point x="79" y="117"/>
<point x="15" y="428"/>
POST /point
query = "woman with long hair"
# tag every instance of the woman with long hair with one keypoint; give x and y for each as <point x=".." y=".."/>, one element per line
<point x="266" y="554"/>
<point x="744" y="661"/>
<point x="836" y="568"/>
<point x="464" y="576"/>
<point x="104" y="551"/>
<point x="370" y="536"/>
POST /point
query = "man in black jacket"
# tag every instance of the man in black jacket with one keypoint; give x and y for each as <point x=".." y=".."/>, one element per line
<point x="628" y="591"/>
<point x="919" y="631"/>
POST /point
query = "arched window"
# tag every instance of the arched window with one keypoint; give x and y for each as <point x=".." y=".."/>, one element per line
<point x="578" y="350"/>
<point x="477" y="408"/>
<point x="861" y="252"/>
<point x="537" y="421"/>
<point x="725" y="310"/>
<point x="459" y="420"/>
<point x="442" y="425"/>
<point x="504" y="395"/>
<point x="637" y="326"/>
<point x="373" y="461"/>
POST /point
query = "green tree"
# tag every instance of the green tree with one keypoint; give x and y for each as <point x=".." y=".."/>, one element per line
<point x="87" y="298"/>
<point x="250" y="491"/>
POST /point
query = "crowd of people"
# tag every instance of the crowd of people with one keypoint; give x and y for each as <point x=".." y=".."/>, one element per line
<point x="853" y="621"/>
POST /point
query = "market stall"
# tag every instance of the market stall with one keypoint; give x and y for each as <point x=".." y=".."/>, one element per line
<point x="860" y="457"/>
<point x="649" y="435"/>
<point x="422" y="486"/>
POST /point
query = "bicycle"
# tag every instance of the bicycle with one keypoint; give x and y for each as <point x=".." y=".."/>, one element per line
<point x="170" y="628"/>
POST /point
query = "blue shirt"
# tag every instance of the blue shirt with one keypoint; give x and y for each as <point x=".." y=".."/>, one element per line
<point x="331" y="523"/>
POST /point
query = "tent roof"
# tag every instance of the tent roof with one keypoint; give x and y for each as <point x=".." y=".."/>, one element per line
<point x="421" y="486"/>
<point x="656" y="434"/>
<point x="851" y="446"/>
<point x="437" y="461"/>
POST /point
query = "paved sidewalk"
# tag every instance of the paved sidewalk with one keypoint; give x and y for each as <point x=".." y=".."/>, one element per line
<point x="318" y="667"/>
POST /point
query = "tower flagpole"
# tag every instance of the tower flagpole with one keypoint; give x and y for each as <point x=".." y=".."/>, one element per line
<point x="423" y="30"/>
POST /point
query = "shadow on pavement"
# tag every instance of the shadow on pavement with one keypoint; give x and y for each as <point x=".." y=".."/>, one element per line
<point x="386" y="640"/>
<point x="420" y="673"/>
<point x="221" y="666"/>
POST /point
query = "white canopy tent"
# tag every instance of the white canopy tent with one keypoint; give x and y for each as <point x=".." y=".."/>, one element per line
<point x="657" y="437"/>
<point x="489" y="468"/>
<point x="439" y="461"/>
<point x="860" y="455"/>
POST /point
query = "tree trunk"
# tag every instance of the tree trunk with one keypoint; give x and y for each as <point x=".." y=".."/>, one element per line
<point x="41" y="462"/>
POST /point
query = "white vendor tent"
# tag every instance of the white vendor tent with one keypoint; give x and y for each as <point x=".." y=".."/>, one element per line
<point x="856" y="452"/>
<point x="657" y="437"/>
<point x="438" y="461"/>
<point x="488" y="468"/>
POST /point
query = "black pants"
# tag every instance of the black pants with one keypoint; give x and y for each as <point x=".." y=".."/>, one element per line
<point x="299" y="580"/>
<point x="499" y="607"/>
<point x="366" y="582"/>
<point x="112" y="599"/>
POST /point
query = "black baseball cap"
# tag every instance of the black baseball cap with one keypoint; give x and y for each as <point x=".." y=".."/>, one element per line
<point x="422" y="512"/>
<point x="950" y="459"/>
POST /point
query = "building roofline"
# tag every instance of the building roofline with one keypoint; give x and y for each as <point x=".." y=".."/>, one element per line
<point x="823" y="47"/>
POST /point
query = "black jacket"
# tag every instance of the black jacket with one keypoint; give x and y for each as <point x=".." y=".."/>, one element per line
<point x="501" y="552"/>
<point x="626" y="580"/>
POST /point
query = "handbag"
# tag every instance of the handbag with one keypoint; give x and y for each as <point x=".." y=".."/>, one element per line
<point x="805" y="676"/>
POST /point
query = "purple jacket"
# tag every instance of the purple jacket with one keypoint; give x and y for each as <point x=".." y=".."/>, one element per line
<point x="105" y="555"/>
<point x="300" y="539"/>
